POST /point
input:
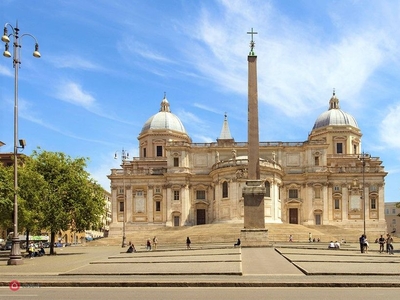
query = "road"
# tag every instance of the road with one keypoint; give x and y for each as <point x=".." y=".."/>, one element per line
<point x="36" y="292"/>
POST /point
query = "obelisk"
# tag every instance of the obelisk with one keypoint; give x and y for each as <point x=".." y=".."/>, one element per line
<point x="254" y="232"/>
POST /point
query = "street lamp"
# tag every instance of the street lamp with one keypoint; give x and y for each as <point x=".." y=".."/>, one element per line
<point x="124" y="157"/>
<point x="15" y="255"/>
<point x="363" y="156"/>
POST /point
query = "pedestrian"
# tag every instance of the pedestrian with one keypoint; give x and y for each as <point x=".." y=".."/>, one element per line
<point x="389" y="244"/>
<point x="290" y="238"/>
<point x="148" y="245"/>
<point x="309" y="237"/>
<point x="31" y="250"/>
<point x="381" y="242"/>
<point x="366" y="244"/>
<point x="188" y="242"/>
<point x="361" y="240"/>
<point x="155" y="241"/>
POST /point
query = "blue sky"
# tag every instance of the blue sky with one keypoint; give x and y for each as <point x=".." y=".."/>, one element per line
<point x="106" y="64"/>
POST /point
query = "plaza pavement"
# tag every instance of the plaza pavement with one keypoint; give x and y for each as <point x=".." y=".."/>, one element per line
<point x="281" y="265"/>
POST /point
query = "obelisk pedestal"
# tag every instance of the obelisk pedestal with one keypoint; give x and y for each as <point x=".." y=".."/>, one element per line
<point x="254" y="233"/>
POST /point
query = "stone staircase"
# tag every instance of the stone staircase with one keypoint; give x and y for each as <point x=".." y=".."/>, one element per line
<point x="227" y="233"/>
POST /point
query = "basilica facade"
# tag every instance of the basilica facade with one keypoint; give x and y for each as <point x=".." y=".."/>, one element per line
<point x="325" y="180"/>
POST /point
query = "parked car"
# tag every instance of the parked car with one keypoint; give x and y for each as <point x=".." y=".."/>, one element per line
<point x="8" y="245"/>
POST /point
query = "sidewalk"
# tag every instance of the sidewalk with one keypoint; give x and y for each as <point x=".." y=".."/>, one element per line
<point x="208" y="265"/>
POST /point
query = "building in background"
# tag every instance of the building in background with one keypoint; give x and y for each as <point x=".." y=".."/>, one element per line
<point x="175" y="182"/>
<point x="392" y="215"/>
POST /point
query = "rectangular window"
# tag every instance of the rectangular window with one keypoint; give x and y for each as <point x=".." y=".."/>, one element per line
<point x="393" y="211"/>
<point x="224" y="189"/>
<point x="337" y="204"/>
<point x="393" y="221"/>
<point x="158" y="190"/>
<point x="336" y="188"/>
<point x="373" y="188"/>
<point x="293" y="193"/>
<point x="201" y="195"/>
<point x="139" y="193"/>
<point x="317" y="193"/>
<point x="176" y="195"/>
<point x="267" y="189"/>
<point x="121" y="191"/>
<point x="158" y="206"/>
<point x="144" y="152"/>
<point x="373" y="203"/>
<point x="316" y="161"/>
<point x="159" y="151"/>
<point x="121" y="206"/>
<point x="339" y="148"/>
<point x="176" y="161"/>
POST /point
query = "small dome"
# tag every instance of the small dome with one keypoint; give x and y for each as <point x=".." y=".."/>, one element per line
<point x="164" y="120"/>
<point x="334" y="116"/>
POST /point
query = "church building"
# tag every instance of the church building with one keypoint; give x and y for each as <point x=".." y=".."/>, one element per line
<point x="325" y="180"/>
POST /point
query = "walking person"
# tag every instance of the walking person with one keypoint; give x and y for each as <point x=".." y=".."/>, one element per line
<point x="148" y="245"/>
<point x="155" y="241"/>
<point x="389" y="244"/>
<point x="381" y="242"/>
<point x="361" y="240"/>
<point x="188" y="242"/>
<point x="366" y="244"/>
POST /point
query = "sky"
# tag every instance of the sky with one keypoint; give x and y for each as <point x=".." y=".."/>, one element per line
<point x="105" y="66"/>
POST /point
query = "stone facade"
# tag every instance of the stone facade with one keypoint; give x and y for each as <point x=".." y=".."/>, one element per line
<point x="321" y="181"/>
<point x="392" y="215"/>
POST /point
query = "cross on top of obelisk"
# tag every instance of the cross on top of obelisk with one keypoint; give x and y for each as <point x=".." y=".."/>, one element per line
<point x="252" y="43"/>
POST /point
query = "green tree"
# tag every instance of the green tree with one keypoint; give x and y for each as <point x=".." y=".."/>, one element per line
<point x="6" y="196"/>
<point x="72" y="199"/>
<point x="31" y="193"/>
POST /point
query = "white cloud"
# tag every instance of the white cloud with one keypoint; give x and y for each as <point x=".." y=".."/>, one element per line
<point x="389" y="129"/>
<point x="6" y="71"/>
<point x="72" y="62"/>
<point x="143" y="50"/>
<point x="73" y="93"/>
<point x="297" y="65"/>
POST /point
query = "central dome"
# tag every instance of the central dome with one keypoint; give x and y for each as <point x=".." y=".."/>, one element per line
<point x="334" y="116"/>
<point x="164" y="120"/>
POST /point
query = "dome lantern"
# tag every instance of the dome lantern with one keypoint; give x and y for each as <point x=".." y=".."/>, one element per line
<point x="334" y="116"/>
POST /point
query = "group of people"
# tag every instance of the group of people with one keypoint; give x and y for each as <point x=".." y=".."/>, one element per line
<point x="153" y="243"/>
<point x="35" y="250"/>
<point x="334" y="245"/>
<point x="389" y="244"/>
<point x="364" y="244"/>
<point x="149" y="244"/>
<point x="388" y="241"/>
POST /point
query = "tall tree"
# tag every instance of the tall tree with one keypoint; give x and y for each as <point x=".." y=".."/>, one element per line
<point x="73" y="200"/>
<point x="6" y="196"/>
<point x="31" y="193"/>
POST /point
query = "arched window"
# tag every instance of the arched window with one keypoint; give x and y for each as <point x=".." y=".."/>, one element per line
<point x="225" y="189"/>
<point x="267" y="189"/>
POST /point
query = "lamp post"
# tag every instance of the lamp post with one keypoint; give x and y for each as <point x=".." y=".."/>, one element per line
<point x="124" y="156"/>
<point x="15" y="255"/>
<point x="363" y="156"/>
